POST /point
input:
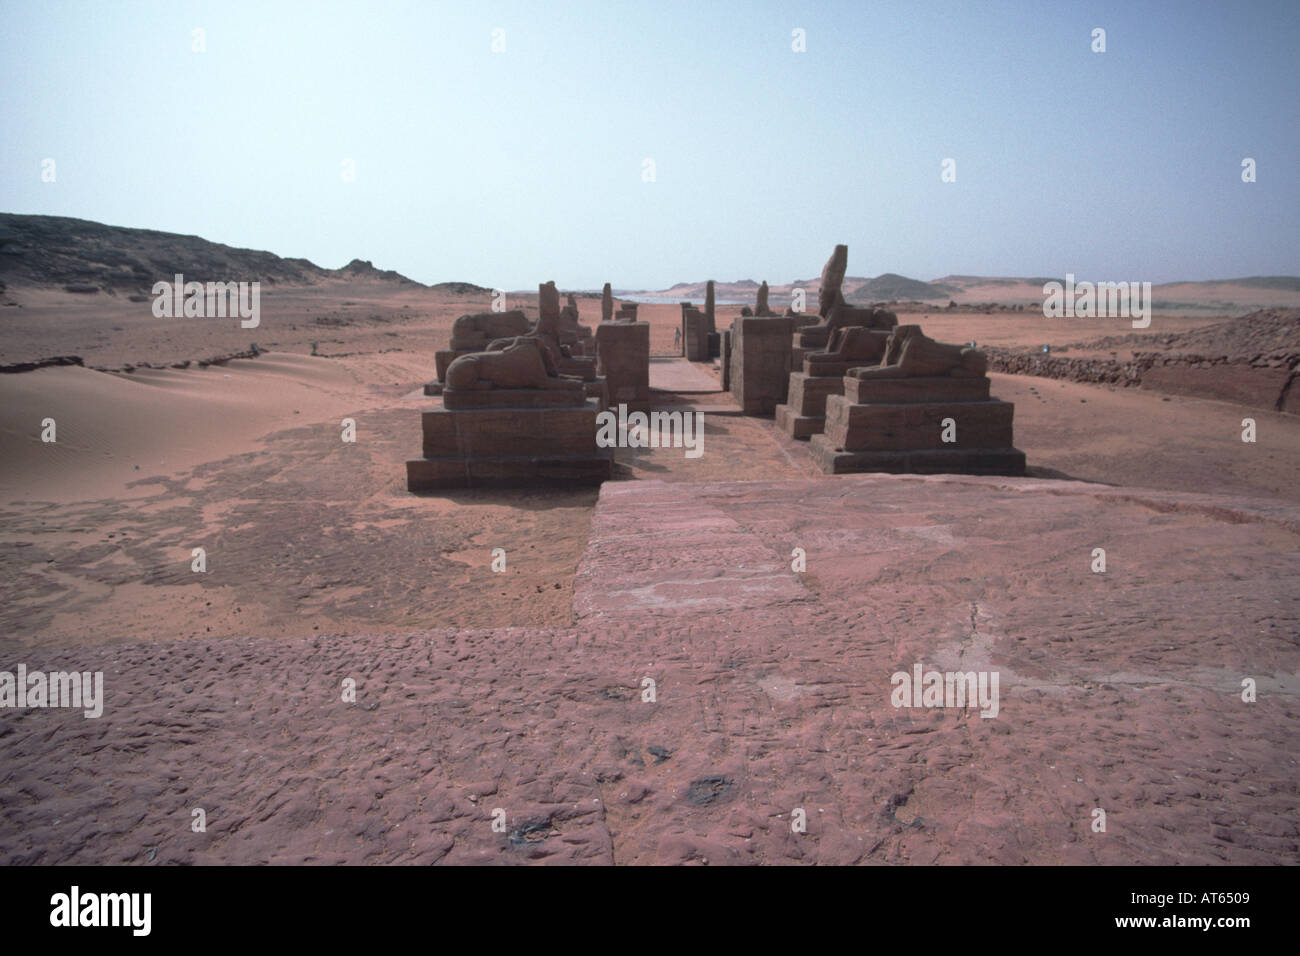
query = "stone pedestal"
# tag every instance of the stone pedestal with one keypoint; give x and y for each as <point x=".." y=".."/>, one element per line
<point x="441" y="360"/>
<point x="760" y="363"/>
<point x="798" y="348"/>
<point x="896" y="425"/>
<point x="509" y="438"/>
<point x="695" y="330"/>
<point x="812" y="338"/>
<point x="623" y="359"/>
<point x="804" y="412"/>
<point x="444" y="357"/>
<point x="713" y="344"/>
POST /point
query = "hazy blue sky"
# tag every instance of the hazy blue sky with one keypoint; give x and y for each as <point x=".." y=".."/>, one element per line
<point x="510" y="168"/>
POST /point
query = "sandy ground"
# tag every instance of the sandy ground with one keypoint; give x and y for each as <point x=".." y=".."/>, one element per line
<point x="318" y="560"/>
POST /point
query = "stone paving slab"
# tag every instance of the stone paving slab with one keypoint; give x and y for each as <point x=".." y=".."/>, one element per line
<point x="681" y="376"/>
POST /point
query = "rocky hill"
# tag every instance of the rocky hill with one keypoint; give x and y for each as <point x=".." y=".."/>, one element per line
<point x="82" y="256"/>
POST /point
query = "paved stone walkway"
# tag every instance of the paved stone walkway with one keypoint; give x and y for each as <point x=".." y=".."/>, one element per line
<point x="679" y="375"/>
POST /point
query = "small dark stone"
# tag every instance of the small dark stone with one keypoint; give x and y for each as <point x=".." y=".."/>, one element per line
<point x="531" y="832"/>
<point x="709" y="790"/>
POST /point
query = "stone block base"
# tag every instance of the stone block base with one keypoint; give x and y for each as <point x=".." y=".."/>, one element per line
<point x="695" y="336"/>
<point x="510" y="432"/>
<point x="623" y="358"/>
<point x="807" y="394"/>
<point x="897" y="430"/>
<point x="796" y="425"/>
<point x="502" y="446"/>
<point x="921" y="390"/>
<point x="432" y="474"/>
<point x="760" y="363"/>
<point x="917" y="427"/>
<point x="978" y="461"/>
<point x="518" y="398"/>
<point x="804" y="412"/>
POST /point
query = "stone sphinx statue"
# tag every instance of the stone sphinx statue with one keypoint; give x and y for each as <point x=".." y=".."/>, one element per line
<point x="546" y="333"/>
<point x="909" y="353"/>
<point x="849" y="347"/>
<point x="834" y="311"/>
<point x="475" y="332"/>
<point x="520" y="362"/>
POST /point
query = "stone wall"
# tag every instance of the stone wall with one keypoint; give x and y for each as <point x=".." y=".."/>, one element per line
<point x="760" y="363"/>
<point x="623" y="359"/>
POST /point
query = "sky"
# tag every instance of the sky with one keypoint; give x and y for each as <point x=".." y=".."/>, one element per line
<point x="650" y="143"/>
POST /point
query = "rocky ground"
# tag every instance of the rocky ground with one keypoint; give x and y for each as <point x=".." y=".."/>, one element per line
<point x="1251" y="360"/>
<point x="1119" y="691"/>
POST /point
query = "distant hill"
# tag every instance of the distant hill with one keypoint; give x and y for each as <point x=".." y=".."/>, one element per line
<point x="857" y="290"/>
<point x="1279" y="283"/>
<point x="83" y="256"/>
<point x="740" y="289"/>
<point x="460" y="288"/>
<point x="891" y="286"/>
<point x="1211" y="295"/>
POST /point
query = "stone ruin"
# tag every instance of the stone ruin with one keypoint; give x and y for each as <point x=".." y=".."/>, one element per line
<point x="626" y="310"/>
<point x="842" y="338"/>
<point x="871" y="395"/>
<point x="571" y="332"/>
<point x="803" y="413"/>
<point x="700" y="339"/>
<point x="520" y="407"/>
<point x="569" y="342"/>
<point x="879" y="396"/>
<point x="623" y="361"/>
<point x="833" y="312"/>
<point x="758" y="370"/>
<point x="514" y="413"/>
<point x="924" y="408"/>
<point x="551" y="331"/>
<point x="474" y="333"/>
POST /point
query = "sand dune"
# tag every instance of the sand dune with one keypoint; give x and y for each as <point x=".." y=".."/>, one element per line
<point x="113" y="430"/>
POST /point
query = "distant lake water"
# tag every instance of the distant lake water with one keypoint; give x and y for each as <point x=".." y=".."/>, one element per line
<point x="673" y="300"/>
